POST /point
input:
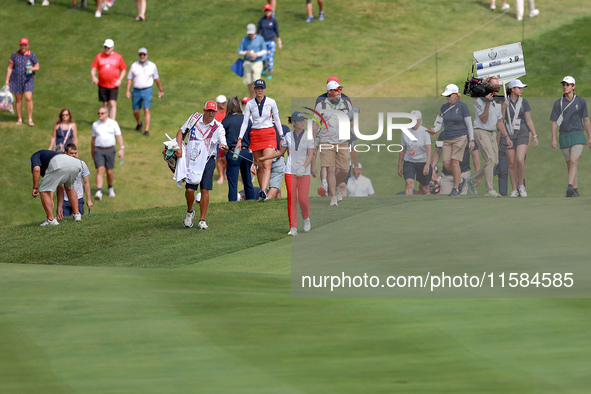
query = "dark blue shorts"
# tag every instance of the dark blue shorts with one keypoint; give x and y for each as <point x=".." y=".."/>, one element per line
<point x="412" y="170"/>
<point x="68" y="207"/>
<point x="207" y="178"/>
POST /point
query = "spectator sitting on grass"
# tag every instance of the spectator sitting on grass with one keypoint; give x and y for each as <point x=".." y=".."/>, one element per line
<point x="359" y="185"/>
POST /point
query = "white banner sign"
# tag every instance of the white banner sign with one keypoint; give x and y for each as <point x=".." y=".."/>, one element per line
<point x="505" y="62"/>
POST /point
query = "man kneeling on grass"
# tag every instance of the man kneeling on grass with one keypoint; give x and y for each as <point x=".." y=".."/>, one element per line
<point x="56" y="169"/>
<point x="196" y="167"/>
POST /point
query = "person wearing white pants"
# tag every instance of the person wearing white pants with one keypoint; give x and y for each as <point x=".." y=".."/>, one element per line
<point x="520" y="7"/>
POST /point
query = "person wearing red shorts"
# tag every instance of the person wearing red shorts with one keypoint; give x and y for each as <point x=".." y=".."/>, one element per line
<point x="263" y="140"/>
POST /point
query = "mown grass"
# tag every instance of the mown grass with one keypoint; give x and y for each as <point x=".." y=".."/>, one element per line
<point x="191" y="322"/>
<point x="150" y="306"/>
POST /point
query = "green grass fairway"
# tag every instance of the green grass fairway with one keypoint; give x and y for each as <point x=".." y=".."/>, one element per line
<point x="229" y="323"/>
<point x="129" y="301"/>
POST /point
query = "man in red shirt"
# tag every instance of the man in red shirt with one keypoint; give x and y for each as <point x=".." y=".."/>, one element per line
<point x="111" y="71"/>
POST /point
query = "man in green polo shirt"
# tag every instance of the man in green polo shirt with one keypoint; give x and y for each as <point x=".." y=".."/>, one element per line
<point x="569" y="114"/>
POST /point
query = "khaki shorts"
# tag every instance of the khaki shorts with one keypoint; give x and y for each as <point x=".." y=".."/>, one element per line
<point x="446" y="183"/>
<point x="454" y="149"/>
<point x="575" y="150"/>
<point x="252" y="71"/>
<point x="62" y="170"/>
<point x="330" y="156"/>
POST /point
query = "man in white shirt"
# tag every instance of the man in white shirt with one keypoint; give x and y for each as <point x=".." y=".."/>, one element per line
<point x="105" y="133"/>
<point x="204" y="134"/>
<point x="359" y="185"/>
<point x="143" y="74"/>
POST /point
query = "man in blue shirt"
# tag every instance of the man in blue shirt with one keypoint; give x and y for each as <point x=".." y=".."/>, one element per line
<point x="253" y="48"/>
<point x="268" y="28"/>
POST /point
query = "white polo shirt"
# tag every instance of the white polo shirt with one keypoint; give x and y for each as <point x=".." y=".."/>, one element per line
<point x="143" y="75"/>
<point x="359" y="187"/>
<point x="105" y="133"/>
<point x="297" y="146"/>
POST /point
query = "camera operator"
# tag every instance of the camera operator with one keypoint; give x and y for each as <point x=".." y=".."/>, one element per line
<point x="488" y="118"/>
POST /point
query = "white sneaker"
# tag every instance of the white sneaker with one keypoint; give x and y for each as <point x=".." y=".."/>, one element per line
<point x="112" y="192"/>
<point x="334" y="202"/>
<point x="492" y="193"/>
<point x="32" y="2"/>
<point x="106" y="6"/>
<point x="202" y="225"/>
<point x="293" y="231"/>
<point x="188" y="222"/>
<point x="97" y="14"/>
<point x="98" y="195"/>
<point x="534" y="13"/>
<point x="522" y="192"/>
<point x="514" y="193"/>
<point x="505" y="7"/>
<point x="48" y="222"/>
<point x="77" y="217"/>
<point x="338" y="193"/>
<point x="307" y="225"/>
<point x="45" y="3"/>
<point x="493" y="7"/>
<point x="519" y="18"/>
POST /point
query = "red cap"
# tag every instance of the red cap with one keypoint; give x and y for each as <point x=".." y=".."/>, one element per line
<point x="333" y="78"/>
<point x="210" y="106"/>
<point x="24" y="41"/>
<point x="268" y="7"/>
<point x="246" y="99"/>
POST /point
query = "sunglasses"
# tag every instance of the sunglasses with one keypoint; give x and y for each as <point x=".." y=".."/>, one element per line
<point x="336" y="90"/>
<point x="143" y="54"/>
<point x="102" y="113"/>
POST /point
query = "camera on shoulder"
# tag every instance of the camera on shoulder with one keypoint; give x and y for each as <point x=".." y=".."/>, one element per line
<point x="479" y="87"/>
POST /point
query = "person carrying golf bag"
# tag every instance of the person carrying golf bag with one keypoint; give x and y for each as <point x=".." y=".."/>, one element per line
<point x="196" y="159"/>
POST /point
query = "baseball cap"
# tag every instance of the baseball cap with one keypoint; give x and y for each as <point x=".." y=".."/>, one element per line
<point x="516" y="83"/>
<point x="142" y="50"/>
<point x="450" y="89"/>
<point x="24" y="41"/>
<point x="333" y="85"/>
<point x="417" y="113"/>
<point x="220" y="99"/>
<point x="567" y="79"/>
<point x="333" y="78"/>
<point x="251" y="28"/>
<point x="268" y="7"/>
<point x="245" y="99"/>
<point x="260" y="83"/>
<point x="109" y="43"/>
<point x="297" y="116"/>
<point x="210" y="106"/>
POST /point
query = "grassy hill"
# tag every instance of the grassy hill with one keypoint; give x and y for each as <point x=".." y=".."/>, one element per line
<point x="130" y="301"/>
<point x="365" y="43"/>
